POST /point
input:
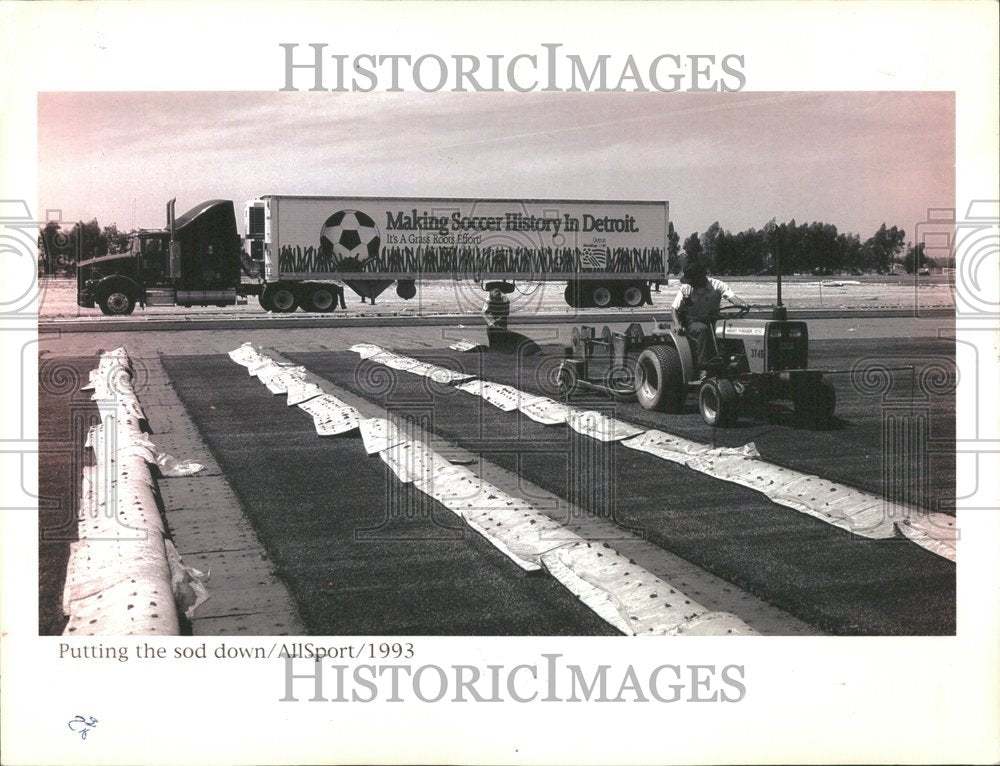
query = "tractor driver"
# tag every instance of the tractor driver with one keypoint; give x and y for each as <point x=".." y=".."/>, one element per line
<point x="696" y="306"/>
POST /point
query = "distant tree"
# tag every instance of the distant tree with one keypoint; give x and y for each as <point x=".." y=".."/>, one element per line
<point x="708" y="244"/>
<point x="849" y="248"/>
<point x="117" y="240"/>
<point x="692" y="247"/>
<point x="915" y="258"/>
<point x="88" y="239"/>
<point x="673" y="249"/>
<point x="881" y="249"/>
<point x="50" y="242"/>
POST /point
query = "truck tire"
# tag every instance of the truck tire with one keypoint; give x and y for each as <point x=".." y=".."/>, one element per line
<point x="815" y="405"/>
<point x="116" y="301"/>
<point x="632" y="295"/>
<point x="717" y="402"/>
<point x="264" y="301"/>
<point x="659" y="380"/>
<point x="319" y="298"/>
<point x="572" y="295"/>
<point x="602" y="296"/>
<point x="282" y="299"/>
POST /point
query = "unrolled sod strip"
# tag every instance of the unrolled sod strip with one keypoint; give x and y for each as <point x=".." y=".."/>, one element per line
<point x="859" y="512"/>
<point x="331" y="417"/>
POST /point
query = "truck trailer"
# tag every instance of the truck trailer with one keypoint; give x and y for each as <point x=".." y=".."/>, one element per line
<point x="297" y="250"/>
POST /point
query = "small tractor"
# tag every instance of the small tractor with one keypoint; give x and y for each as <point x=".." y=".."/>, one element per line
<point x="760" y="360"/>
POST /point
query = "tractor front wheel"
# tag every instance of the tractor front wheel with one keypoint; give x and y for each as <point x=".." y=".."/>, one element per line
<point x="717" y="402"/>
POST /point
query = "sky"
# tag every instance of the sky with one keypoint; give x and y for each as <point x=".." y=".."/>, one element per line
<point x="854" y="159"/>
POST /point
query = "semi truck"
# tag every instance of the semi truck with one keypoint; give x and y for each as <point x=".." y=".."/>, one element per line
<point x="297" y="250"/>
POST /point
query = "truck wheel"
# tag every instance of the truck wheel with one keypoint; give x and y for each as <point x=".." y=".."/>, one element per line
<point x="116" y="302"/>
<point x="632" y="295"/>
<point x="572" y="295"/>
<point x="717" y="401"/>
<point x="815" y="405"/>
<point x="264" y="300"/>
<point x="602" y="296"/>
<point x="282" y="299"/>
<point x="659" y="381"/>
<point x="320" y="298"/>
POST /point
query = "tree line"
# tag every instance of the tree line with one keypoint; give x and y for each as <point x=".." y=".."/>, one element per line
<point x="60" y="249"/>
<point x="802" y="248"/>
<point x="812" y="248"/>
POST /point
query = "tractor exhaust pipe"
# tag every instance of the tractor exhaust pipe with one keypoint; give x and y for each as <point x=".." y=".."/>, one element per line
<point x="780" y="313"/>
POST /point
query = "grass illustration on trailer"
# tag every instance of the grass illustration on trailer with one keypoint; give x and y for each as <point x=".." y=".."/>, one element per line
<point x="473" y="262"/>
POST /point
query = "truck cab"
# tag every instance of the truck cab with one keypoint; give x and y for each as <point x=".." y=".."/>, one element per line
<point x="195" y="261"/>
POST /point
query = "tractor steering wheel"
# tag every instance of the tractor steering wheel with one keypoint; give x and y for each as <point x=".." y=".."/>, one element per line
<point x="731" y="312"/>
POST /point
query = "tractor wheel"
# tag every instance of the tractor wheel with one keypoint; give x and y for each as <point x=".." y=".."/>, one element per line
<point x="632" y="295"/>
<point x="635" y="334"/>
<point x="607" y="336"/>
<point x="264" y="300"/>
<point x="815" y="405"/>
<point x="566" y="380"/>
<point x="319" y="298"/>
<point x="717" y="401"/>
<point x="659" y="380"/>
<point x="282" y="299"/>
<point x="116" y="302"/>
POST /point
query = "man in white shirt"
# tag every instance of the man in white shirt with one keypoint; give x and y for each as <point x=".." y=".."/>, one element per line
<point x="695" y="307"/>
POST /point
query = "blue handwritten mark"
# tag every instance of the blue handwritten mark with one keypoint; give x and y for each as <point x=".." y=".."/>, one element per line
<point x="81" y="725"/>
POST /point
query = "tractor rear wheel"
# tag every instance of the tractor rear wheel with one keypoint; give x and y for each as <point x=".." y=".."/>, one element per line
<point x="717" y="402"/>
<point x="659" y="379"/>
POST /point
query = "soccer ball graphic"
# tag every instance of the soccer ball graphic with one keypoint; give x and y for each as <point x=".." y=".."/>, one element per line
<point x="349" y="235"/>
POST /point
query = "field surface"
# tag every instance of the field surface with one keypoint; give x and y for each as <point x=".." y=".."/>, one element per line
<point x="362" y="554"/>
